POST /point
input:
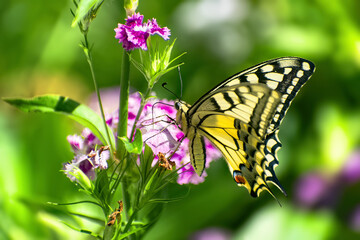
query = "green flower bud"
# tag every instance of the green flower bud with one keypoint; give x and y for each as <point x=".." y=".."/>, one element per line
<point x="130" y="6"/>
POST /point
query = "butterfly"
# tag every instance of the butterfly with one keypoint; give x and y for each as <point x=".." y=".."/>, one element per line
<point x="241" y="117"/>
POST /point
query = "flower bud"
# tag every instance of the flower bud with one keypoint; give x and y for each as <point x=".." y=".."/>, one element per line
<point x="130" y="6"/>
<point x="83" y="180"/>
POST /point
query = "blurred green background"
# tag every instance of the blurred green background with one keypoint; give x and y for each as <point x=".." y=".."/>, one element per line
<point x="319" y="161"/>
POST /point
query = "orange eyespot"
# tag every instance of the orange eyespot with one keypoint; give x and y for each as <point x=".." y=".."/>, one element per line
<point x="239" y="179"/>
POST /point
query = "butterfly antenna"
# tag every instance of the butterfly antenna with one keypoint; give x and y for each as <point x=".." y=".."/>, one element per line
<point x="181" y="83"/>
<point x="152" y="108"/>
<point x="164" y="84"/>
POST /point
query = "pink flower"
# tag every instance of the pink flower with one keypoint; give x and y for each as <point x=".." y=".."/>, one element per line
<point x="159" y="132"/>
<point x="163" y="136"/>
<point x="134" y="33"/>
<point x="87" y="163"/>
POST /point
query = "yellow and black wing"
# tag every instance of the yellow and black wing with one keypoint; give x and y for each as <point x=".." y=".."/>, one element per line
<point x="241" y="117"/>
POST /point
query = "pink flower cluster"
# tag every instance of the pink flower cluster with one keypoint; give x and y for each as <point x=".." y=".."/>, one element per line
<point x="162" y="136"/>
<point x="87" y="159"/>
<point x="158" y="132"/>
<point x="134" y="33"/>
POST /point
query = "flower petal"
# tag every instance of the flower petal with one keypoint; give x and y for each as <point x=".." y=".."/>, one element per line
<point x="134" y="34"/>
<point x="155" y="29"/>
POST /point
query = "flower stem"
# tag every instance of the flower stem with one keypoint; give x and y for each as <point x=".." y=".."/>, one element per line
<point x="124" y="102"/>
<point x="87" y="52"/>
<point x="123" y="127"/>
<point x="126" y="197"/>
<point x="131" y="219"/>
<point x="142" y="105"/>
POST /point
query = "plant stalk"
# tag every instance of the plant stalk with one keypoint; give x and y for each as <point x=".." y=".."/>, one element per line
<point x="87" y="52"/>
<point x="124" y="102"/>
<point x="142" y="105"/>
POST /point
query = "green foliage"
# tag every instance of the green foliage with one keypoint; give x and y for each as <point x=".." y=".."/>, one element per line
<point x="45" y="58"/>
<point x="63" y="105"/>
<point x="136" y="146"/>
<point x="146" y="195"/>
<point x="154" y="63"/>
<point x="85" y="12"/>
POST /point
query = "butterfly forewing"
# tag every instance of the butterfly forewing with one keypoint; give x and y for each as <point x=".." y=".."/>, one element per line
<point x="285" y="75"/>
<point x="241" y="116"/>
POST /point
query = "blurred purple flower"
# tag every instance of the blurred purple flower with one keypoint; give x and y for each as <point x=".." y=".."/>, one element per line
<point x="311" y="189"/>
<point x="315" y="190"/>
<point x="134" y="33"/>
<point x="211" y="234"/>
<point x="351" y="171"/>
<point x="355" y="219"/>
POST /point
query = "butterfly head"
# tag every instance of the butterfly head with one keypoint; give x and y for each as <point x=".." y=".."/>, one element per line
<point x="177" y="105"/>
<point x="181" y="119"/>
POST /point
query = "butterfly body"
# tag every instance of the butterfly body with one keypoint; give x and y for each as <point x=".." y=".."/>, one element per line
<point x="241" y="117"/>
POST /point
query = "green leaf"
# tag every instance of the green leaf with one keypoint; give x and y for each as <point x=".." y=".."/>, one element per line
<point x="135" y="146"/>
<point x="102" y="190"/>
<point x="134" y="230"/>
<point x="74" y="110"/>
<point x="156" y="62"/>
<point x="82" y="230"/>
<point x="110" y="231"/>
<point x="146" y="161"/>
<point x="83" y="9"/>
<point x="83" y="180"/>
<point x="36" y="206"/>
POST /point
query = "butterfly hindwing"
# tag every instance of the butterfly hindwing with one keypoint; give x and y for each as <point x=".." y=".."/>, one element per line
<point x="241" y="117"/>
<point x="242" y="149"/>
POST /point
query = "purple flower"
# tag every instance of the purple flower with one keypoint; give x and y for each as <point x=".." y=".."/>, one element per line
<point x="159" y="132"/>
<point x="155" y="29"/>
<point x="87" y="163"/>
<point x="84" y="144"/>
<point x="76" y="142"/>
<point x="187" y="175"/>
<point x="134" y="33"/>
<point x="163" y="136"/>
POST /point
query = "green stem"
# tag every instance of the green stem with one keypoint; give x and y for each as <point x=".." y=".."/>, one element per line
<point x="123" y="126"/>
<point x="126" y="197"/>
<point x="124" y="102"/>
<point x="129" y="223"/>
<point x="130" y="215"/>
<point x="89" y="60"/>
<point x="127" y="228"/>
<point x="142" y="105"/>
